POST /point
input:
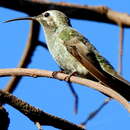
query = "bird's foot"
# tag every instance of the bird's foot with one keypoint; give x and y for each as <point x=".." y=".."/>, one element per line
<point x="67" y="78"/>
<point x="55" y="73"/>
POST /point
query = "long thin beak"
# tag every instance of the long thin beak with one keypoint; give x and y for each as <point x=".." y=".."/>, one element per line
<point x="25" y="18"/>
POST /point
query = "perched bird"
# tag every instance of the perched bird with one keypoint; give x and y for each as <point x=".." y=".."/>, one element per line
<point x="74" y="53"/>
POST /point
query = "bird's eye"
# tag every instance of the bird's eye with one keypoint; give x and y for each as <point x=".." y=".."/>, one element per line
<point x="46" y="14"/>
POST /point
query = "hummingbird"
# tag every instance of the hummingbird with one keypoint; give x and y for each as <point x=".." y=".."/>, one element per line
<point x="75" y="54"/>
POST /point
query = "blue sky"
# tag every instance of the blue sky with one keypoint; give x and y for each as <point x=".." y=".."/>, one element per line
<point x="53" y="96"/>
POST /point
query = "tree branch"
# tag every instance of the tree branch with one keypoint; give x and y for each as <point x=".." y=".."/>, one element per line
<point x="4" y="118"/>
<point x="84" y="12"/>
<point x="120" y="59"/>
<point x="35" y="114"/>
<point x="61" y="76"/>
<point x="26" y="57"/>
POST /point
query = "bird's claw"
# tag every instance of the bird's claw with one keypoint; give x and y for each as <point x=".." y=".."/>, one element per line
<point x="67" y="78"/>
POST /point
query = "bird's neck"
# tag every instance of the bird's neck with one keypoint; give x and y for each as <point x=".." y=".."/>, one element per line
<point x="50" y="33"/>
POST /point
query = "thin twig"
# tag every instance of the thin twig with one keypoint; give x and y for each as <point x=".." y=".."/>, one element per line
<point x="26" y="57"/>
<point x="95" y="13"/>
<point x="120" y="63"/>
<point x="76" y="103"/>
<point x="94" y="113"/>
<point x="42" y="44"/>
<point x="37" y="115"/>
<point x="43" y="73"/>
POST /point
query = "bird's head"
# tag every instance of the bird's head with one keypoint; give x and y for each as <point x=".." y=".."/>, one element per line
<point x="51" y="18"/>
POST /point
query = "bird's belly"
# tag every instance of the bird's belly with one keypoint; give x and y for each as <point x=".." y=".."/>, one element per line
<point x="66" y="61"/>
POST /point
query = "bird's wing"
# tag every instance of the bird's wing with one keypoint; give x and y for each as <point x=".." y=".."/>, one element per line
<point x="75" y="44"/>
<point x="73" y="38"/>
<point x="106" y="66"/>
<point x="104" y="63"/>
<point x="88" y="56"/>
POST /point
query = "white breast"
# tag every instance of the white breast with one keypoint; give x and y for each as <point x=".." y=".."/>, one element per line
<point x="65" y="59"/>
